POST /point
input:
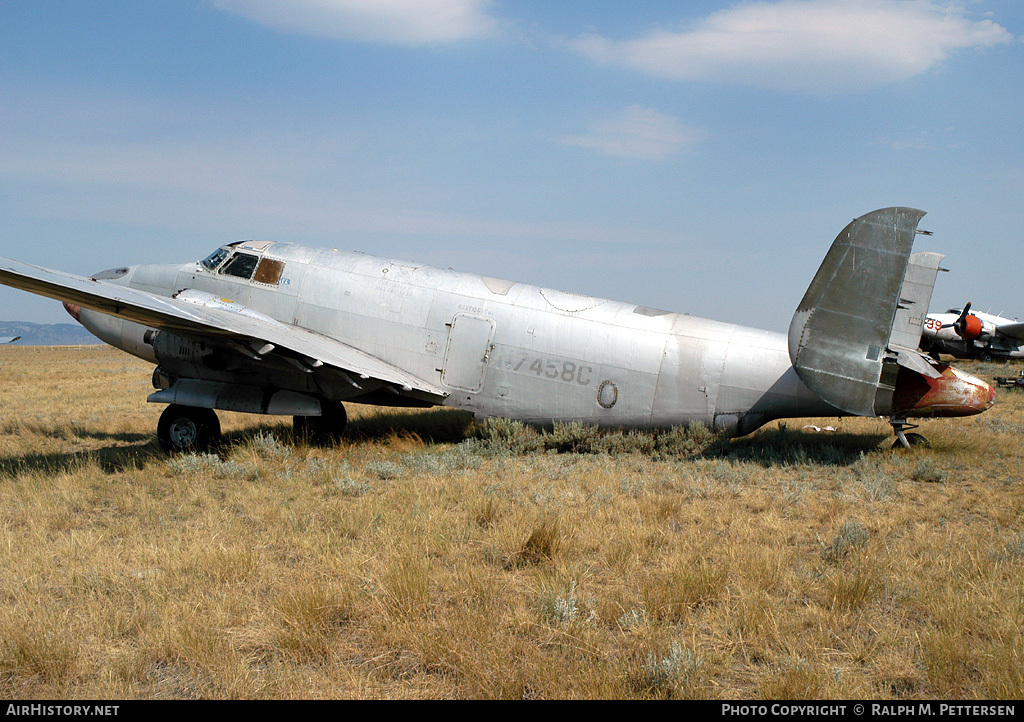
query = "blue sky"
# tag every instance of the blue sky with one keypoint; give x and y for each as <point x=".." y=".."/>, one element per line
<point x="698" y="157"/>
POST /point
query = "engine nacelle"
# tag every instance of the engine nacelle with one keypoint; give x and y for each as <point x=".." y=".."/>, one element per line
<point x="233" y="397"/>
<point x="171" y="348"/>
<point x="971" y="328"/>
<point x="118" y="332"/>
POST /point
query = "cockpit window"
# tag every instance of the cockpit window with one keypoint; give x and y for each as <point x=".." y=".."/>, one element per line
<point x="216" y="258"/>
<point x="241" y="265"/>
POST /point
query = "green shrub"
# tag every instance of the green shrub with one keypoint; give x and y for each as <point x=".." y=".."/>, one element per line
<point x="852" y="536"/>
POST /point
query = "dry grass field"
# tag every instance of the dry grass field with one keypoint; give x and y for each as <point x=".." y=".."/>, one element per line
<point x="424" y="558"/>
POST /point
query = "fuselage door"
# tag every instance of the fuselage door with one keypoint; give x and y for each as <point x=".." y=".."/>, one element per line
<point x="469" y="350"/>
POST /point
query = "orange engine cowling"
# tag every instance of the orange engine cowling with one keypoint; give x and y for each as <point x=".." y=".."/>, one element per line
<point x="971" y="327"/>
<point x="954" y="393"/>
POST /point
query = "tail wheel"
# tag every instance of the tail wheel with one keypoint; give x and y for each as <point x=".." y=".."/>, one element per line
<point x="905" y="440"/>
<point x="912" y="440"/>
<point x="324" y="429"/>
<point x="187" y="429"/>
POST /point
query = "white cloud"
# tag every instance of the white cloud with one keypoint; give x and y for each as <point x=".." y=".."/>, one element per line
<point x="394" y="22"/>
<point x="803" y="45"/>
<point x="636" y="132"/>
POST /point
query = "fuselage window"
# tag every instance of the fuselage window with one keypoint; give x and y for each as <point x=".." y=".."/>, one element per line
<point x="216" y="258"/>
<point x="269" y="272"/>
<point x="241" y="265"/>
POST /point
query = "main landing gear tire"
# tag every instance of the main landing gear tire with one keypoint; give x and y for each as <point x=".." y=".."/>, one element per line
<point x="325" y="429"/>
<point x="184" y="429"/>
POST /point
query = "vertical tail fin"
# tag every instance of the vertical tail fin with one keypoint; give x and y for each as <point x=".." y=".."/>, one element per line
<point x="840" y="334"/>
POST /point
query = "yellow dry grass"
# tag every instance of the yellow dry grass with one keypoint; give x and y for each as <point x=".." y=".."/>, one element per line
<point x="405" y="564"/>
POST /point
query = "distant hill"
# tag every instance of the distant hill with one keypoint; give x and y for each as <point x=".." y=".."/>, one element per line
<point x="42" y="334"/>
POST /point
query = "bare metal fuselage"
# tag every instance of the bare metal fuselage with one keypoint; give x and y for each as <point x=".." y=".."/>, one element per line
<point x="278" y="328"/>
<point x="496" y="348"/>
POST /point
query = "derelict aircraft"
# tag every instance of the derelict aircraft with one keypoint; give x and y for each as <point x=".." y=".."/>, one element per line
<point x="966" y="334"/>
<point x="280" y="328"/>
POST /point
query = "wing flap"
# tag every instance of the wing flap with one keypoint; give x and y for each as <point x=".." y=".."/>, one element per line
<point x="914" y="360"/>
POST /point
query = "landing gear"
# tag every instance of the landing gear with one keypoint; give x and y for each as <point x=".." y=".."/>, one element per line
<point x="324" y="429"/>
<point x="188" y="429"/>
<point x="905" y="440"/>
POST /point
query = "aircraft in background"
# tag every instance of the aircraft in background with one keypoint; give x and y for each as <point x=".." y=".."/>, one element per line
<point x="280" y="328"/>
<point x="9" y="339"/>
<point x="966" y="334"/>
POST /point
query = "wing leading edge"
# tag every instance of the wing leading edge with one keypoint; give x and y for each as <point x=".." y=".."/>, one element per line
<point x="201" y="315"/>
<point x="1013" y="330"/>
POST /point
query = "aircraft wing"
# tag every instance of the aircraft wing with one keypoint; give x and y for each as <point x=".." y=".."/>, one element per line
<point x="201" y="315"/>
<point x="9" y="339"/>
<point x="1013" y="330"/>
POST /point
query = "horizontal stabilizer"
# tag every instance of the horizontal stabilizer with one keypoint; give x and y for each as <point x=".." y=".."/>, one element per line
<point x="914" y="360"/>
<point x="841" y="330"/>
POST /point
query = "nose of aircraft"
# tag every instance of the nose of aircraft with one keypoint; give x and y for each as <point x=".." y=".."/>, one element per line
<point x="119" y="276"/>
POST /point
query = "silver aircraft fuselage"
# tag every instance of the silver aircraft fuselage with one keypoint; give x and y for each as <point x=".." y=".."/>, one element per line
<point x="280" y="328"/>
<point x="496" y="348"/>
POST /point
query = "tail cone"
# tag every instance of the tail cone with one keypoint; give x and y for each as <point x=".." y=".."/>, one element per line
<point x="954" y="393"/>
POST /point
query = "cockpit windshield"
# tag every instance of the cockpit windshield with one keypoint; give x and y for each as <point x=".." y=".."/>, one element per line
<point x="230" y="261"/>
<point x="216" y="258"/>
